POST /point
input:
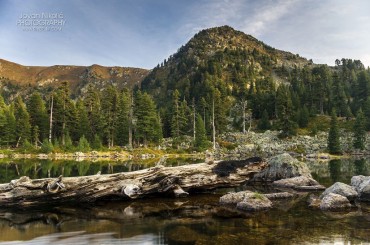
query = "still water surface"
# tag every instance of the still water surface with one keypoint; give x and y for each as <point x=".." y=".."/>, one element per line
<point x="194" y="220"/>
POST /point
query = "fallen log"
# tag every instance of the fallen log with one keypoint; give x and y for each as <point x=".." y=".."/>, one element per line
<point x="177" y="181"/>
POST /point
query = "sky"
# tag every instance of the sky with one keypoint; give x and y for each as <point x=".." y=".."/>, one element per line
<point x="142" y="33"/>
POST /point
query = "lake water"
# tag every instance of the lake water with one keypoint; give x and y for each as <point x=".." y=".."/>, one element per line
<point x="194" y="220"/>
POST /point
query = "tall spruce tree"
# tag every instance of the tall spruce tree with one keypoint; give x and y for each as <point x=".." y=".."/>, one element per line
<point x="148" y="125"/>
<point x="23" y="126"/>
<point x="333" y="137"/>
<point x="38" y="115"/>
<point x="200" y="134"/>
<point x="359" y="131"/>
<point x="284" y="109"/>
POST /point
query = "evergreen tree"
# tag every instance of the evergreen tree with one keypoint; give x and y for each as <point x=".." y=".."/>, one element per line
<point x="148" y="125"/>
<point x="303" y="117"/>
<point x="38" y="115"/>
<point x="200" y="134"/>
<point x="23" y="126"/>
<point x="110" y="101"/>
<point x="83" y="144"/>
<point x="35" y="136"/>
<point x="264" y="123"/>
<point x="9" y="131"/>
<point x="285" y="112"/>
<point x="179" y="119"/>
<point x="96" y="143"/>
<point x="123" y="118"/>
<point x="359" y="131"/>
<point x="333" y="137"/>
<point x="83" y="122"/>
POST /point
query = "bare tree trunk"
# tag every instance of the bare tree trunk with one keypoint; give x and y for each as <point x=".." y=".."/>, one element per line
<point x="175" y="181"/>
<point x="194" y="120"/>
<point x="244" y="116"/>
<point x="213" y="125"/>
<point x="51" y="118"/>
<point x="131" y="113"/>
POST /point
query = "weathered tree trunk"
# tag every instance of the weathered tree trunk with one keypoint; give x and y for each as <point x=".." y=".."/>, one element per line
<point x="176" y="181"/>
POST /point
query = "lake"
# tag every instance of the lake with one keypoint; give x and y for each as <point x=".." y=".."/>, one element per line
<point x="194" y="220"/>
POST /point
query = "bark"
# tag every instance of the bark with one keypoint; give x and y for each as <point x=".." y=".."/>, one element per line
<point x="175" y="181"/>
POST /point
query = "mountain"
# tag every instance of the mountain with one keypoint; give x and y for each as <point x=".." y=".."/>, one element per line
<point x="17" y="79"/>
<point x="220" y="53"/>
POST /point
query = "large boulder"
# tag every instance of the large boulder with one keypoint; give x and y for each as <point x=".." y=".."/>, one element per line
<point x="334" y="202"/>
<point x="341" y="189"/>
<point x="299" y="183"/>
<point x="362" y="185"/>
<point x="254" y="202"/>
<point x="282" y="166"/>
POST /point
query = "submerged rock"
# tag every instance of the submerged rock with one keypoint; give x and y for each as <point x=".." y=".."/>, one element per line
<point x="333" y="202"/>
<point x="362" y="185"/>
<point x="247" y="200"/>
<point x="314" y="201"/>
<point x="300" y="182"/>
<point x="234" y="198"/>
<point x="282" y="166"/>
<point x="254" y="202"/>
<point x="341" y="189"/>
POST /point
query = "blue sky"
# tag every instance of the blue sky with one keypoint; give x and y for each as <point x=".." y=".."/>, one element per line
<point x="142" y="33"/>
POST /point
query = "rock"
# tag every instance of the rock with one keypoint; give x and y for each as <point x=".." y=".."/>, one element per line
<point x="334" y="202"/>
<point x="341" y="189"/>
<point x="300" y="182"/>
<point x="254" y="202"/>
<point x="282" y="166"/>
<point x="279" y="195"/>
<point x="234" y="198"/>
<point x="314" y="201"/>
<point x="362" y="186"/>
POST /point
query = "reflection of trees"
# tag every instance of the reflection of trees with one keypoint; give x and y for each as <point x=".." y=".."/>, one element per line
<point x="83" y="167"/>
<point x="335" y="169"/>
<point x="360" y="166"/>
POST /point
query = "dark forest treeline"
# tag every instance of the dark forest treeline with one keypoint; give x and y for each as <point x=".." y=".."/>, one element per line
<point x="129" y="118"/>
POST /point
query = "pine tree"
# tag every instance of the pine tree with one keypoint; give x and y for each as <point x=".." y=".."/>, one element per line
<point x="110" y="100"/>
<point x="23" y="126"/>
<point x="359" y="131"/>
<point x="264" y="123"/>
<point x="83" y="145"/>
<point x="83" y="123"/>
<point x="303" y="117"/>
<point x="9" y="131"/>
<point x="285" y="112"/>
<point x="179" y="119"/>
<point x="123" y="122"/>
<point x="333" y="137"/>
<point x="148" y="125"/>
<point x="35" y="136"/>
<point x="200" y="134"/>
<point x="38" y="115"/>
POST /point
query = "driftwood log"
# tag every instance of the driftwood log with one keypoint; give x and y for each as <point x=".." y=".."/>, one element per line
<point x="176" y="181"/>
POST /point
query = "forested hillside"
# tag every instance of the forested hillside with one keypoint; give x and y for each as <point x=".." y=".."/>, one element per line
<point x="221" y="80"/>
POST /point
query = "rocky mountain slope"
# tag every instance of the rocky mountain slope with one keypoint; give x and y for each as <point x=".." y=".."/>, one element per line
<point x="17" y="79"/>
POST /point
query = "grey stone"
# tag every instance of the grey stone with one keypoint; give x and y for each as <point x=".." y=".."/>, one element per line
<point x="233" y="198"/>
<point x="332" y="202"/>
<point x="362" y="185"/>
<point x="341" y="189"/>
<point x="282" y="166"/>
<point x="296" y="182"/>
<point x="254" y="202"/>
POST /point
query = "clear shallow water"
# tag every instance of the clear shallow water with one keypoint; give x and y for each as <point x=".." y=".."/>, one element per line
<point x="194" y="220"/>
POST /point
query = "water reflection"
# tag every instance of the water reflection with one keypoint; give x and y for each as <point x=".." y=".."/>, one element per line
<point x="195" y="220"/>
<point x="35" y="168"/>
